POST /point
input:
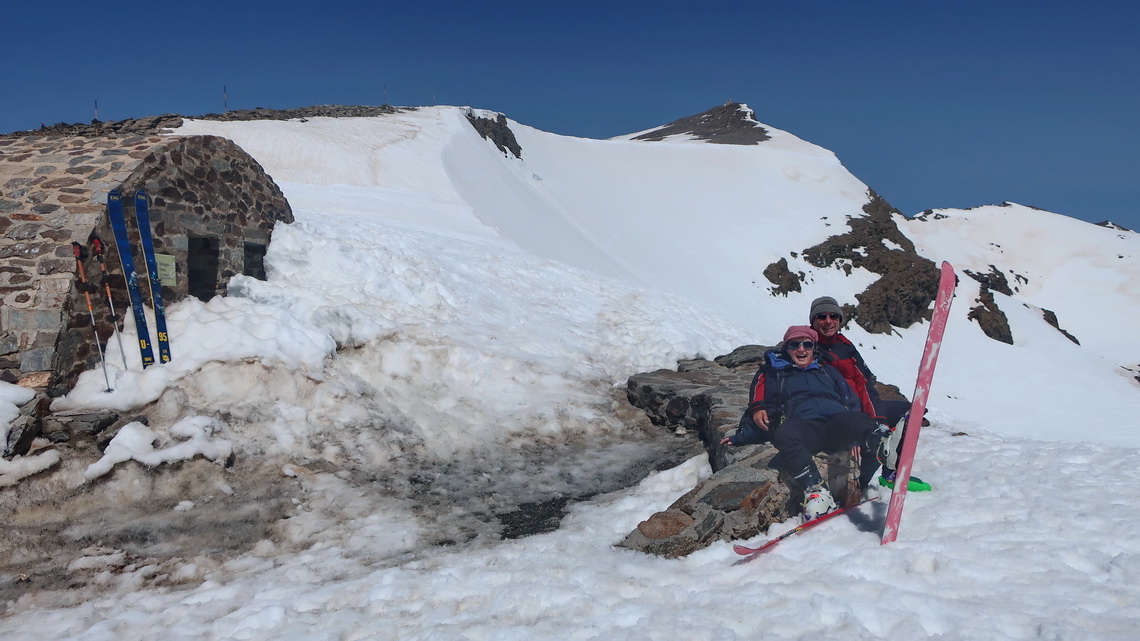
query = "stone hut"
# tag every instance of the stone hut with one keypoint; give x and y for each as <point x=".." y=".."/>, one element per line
<point x="212" y="211"/>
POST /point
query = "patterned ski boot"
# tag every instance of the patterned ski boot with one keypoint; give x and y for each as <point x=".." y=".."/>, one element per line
<point x="817" y="502"/>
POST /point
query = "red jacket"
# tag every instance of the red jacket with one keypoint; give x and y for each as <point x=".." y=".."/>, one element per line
<point x="846" y="358"/>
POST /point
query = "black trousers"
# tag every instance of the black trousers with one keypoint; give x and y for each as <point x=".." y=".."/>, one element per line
<point x="893" y="411"/>
<point x="798" y="440"/>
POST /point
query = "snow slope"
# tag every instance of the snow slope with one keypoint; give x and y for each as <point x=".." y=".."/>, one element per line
<point x="444" y="316"/>
<point x="703" y="220"/>
<point x="1088" y="275"/>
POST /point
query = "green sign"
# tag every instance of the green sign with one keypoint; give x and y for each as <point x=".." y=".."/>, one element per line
<point x="167" y="272"/>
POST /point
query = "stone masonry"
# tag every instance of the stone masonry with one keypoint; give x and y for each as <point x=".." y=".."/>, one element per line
<point x="53" y="191"/>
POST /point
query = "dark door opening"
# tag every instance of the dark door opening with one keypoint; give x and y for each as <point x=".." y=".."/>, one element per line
<point x="254" y="261"/>
<point x="202" y="267"/>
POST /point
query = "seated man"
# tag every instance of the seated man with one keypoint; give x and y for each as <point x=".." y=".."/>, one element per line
<point x="826" y="318"/>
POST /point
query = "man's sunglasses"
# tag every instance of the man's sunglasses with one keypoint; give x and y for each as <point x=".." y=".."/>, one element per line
<point x="794" y="345"/>
<point x="828" y="316"/>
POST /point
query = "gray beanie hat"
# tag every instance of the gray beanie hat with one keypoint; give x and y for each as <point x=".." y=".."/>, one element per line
<point x="823" y="305"/>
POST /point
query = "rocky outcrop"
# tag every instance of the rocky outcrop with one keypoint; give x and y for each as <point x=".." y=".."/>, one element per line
<point x="784" y="280"/>
<point x="1051" y="318"/>
<point x="992" y="279"/>
<point x="745" y="494"/>
<point x="497" y="131"/>
<point x="163" y="123"/>
<point x="907" y="283"/>
<point x="97" y="128"/>
<point x="1111" y="225"/>
<point x="990" y="318"/>
<point x="729" y="124"/>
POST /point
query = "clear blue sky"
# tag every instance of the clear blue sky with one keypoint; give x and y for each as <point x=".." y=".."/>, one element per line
<point x="932" y="103"/>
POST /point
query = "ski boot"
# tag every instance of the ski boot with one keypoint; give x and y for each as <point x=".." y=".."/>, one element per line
<point x="817" y="502"/>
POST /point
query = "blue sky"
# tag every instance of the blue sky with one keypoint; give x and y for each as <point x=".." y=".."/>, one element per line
<point x="933" y="104"/>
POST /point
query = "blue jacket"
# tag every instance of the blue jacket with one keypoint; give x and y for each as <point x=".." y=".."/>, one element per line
<point x="816" y="392"/>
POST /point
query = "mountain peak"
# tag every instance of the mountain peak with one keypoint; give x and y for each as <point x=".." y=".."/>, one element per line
<point x="732" y="123"/>
<point x="1111" y="225"/>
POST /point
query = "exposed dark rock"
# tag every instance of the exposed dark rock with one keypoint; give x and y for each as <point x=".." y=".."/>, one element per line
<point x="315" y="111"/>
<point x="1112" y="225"/>
<point x="729" y="124"/>
<point x="908" y="283"/>
<point x="1051" y="318"/>
<point x="784" y="280"/>
<point x="152" y="124"/>
<point x="536" y="517"/>
<point x="27" y="427"/>
<point x="891" y="393"/>
<point x="497" y="131"/>
<point x="63" y="427"/>
<point x="993" y="279"/>
<point x="663" y="525"/>
<point x="990" y="318"/>
<point x="744" y="356"/>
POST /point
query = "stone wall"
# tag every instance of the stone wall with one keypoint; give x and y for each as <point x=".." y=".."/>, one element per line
<point x="53" y="191"/>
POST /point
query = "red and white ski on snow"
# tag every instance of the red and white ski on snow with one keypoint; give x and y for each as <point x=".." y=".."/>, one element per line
<point x="745" y="550"/>
<point x="918" y="403"/>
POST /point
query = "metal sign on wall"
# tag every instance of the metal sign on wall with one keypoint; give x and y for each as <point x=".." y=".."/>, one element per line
<point x="167" y="272"/>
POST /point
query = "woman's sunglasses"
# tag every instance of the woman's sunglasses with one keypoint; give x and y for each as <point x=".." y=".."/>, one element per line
<point x="794" y="345"/>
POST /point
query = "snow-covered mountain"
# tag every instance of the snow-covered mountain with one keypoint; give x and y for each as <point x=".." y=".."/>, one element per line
<point x="439" y="340"/>
<point x="703" y="221"/>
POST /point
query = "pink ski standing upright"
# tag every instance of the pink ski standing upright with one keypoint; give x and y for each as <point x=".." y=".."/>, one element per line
<point x="918" y="404"/>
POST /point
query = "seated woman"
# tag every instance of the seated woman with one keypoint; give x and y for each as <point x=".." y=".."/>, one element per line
<point x="805" y="406"/>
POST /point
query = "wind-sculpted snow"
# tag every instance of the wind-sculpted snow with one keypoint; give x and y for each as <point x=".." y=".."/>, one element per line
<point x="474" y="341"/>
<point x="220" y="331"/>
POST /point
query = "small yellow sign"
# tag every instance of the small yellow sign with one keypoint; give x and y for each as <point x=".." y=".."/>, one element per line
<point x="167" y="271"/>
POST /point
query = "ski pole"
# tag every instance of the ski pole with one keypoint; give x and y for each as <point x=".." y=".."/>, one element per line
<point x="97" y="244"/>
<point x="86" y="288"/>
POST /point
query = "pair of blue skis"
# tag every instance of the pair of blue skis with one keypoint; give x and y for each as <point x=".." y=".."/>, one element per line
<point x="118" y="223"/>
